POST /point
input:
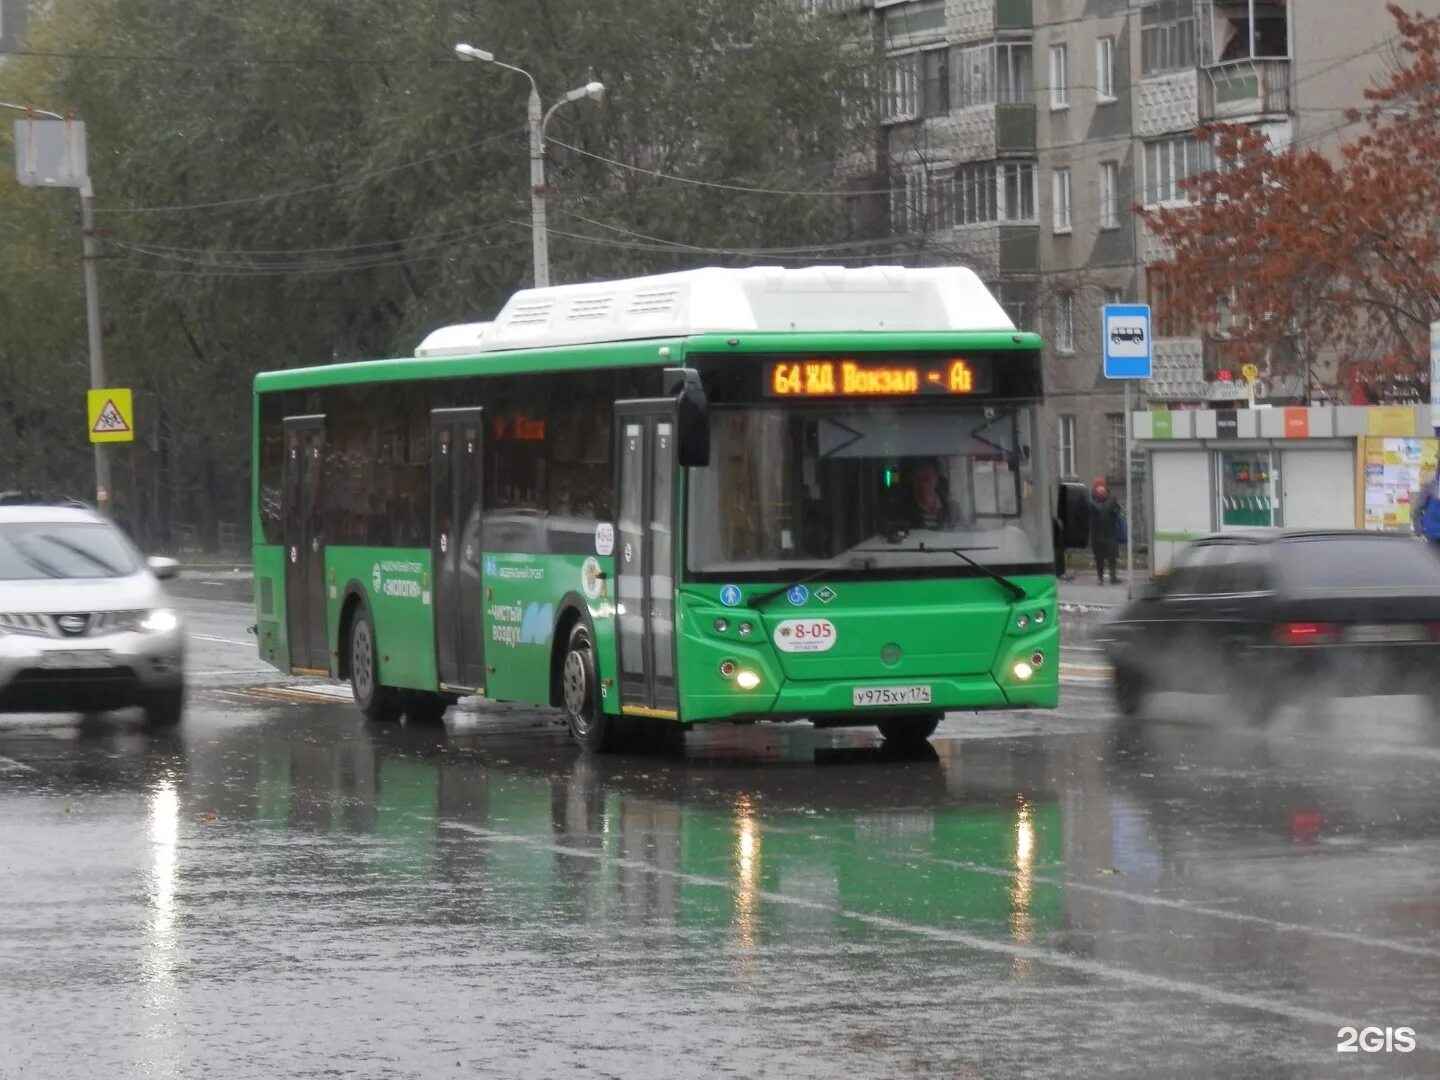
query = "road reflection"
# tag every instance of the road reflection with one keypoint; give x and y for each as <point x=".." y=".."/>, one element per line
<point x="756" y="833"/>
<point x="747" y="878"/>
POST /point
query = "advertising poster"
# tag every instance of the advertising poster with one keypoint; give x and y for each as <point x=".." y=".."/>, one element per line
<point x="1394" y="469"/>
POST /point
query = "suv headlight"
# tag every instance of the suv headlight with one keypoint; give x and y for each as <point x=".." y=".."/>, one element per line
<point x="156" y="621"/>
<point x="159" y="621"/>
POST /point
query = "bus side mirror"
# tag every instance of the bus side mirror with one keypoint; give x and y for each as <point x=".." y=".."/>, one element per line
<point x="692" y="419"/>
<point x="1073" y="511"/>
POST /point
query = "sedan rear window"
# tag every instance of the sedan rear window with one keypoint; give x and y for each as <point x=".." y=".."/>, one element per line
<point x="38" y="550"/>
<point x="1360" y="563"/>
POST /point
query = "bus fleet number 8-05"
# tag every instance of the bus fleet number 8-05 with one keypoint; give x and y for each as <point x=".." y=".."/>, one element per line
<point x="805" y="635"/>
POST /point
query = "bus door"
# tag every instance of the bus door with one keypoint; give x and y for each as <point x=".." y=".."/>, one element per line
<point x="645" y="482"/>
<point x="457" y="450"/>
<point x="303" y="511"/>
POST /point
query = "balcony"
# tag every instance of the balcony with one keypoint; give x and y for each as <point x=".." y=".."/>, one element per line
<point x="1015" y="129"/>
<point x="1178" y="373"/>
<point x="1019" y="249"/>
<point x="1244" y="89"/>
<point x="1014" y="15"/>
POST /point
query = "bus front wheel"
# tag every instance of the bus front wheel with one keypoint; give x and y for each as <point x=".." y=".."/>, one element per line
<point x="378" y="703"/>
<point x="590" y="726"/>
<point x="915" y="728"/>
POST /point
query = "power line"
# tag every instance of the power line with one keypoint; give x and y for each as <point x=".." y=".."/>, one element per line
<point x="358" y="178"/>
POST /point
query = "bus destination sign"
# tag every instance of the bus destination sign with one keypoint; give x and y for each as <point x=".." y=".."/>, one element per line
<point x="859" y="378"/>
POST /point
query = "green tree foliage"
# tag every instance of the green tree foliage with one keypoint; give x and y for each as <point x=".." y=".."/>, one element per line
<point x="281" y="184"/>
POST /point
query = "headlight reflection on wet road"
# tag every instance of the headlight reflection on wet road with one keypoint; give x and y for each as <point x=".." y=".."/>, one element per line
<point x="1021" y="925"/>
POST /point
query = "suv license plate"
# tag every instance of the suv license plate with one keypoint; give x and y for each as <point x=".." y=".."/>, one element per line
<point x="890" y="695"/>
<point x="90" y="658"/>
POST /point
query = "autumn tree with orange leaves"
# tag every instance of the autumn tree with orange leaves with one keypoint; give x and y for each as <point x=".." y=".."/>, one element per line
<point x="1310" y="259"/>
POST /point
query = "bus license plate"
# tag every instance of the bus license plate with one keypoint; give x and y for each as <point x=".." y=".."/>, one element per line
<point x="890" y="695"/>
<point x="90" y="658"/>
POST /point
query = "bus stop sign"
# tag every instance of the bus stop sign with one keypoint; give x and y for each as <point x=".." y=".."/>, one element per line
<point x="1127" y="340"/>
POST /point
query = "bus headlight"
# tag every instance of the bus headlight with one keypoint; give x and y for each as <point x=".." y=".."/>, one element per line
<point x="1022" y="671"/>
<point x="747" y="680"/>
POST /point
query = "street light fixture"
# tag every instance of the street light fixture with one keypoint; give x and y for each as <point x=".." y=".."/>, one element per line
<point x="538" y="119"/>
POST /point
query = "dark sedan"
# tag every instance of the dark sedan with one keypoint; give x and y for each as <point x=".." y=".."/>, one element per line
<point x="1270" y="615"/>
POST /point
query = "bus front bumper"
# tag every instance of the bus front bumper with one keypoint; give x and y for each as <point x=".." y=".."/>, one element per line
<point x="837" y="701"/>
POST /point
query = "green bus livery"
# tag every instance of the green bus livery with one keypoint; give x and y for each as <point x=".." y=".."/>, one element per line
<point x="713" y="495"/>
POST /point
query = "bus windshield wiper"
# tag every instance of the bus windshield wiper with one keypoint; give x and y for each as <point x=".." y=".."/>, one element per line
<point x="961" y="552"/>
<point x="770" y="594"/>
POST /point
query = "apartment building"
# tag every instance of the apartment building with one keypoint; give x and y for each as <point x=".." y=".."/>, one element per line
<point x="1019" y="135"/>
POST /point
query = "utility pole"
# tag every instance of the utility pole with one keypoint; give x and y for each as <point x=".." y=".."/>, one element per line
<point x="92" y="321"/>
<point x="538" y="238"/>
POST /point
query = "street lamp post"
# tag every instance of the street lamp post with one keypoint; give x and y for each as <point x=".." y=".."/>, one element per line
<point x="538" y="118"/>
<point x="91" y="253"/>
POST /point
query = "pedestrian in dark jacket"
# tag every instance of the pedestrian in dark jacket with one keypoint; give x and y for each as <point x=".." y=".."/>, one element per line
<point x="1105" y="514"/>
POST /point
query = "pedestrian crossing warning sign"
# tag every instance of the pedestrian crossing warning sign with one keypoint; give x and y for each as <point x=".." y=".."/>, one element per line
<point x="111" y="416"/>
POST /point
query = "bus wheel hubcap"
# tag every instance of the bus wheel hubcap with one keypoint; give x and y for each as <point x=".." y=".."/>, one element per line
<point x="575" y="686"/>
<point x="361" y="659"/>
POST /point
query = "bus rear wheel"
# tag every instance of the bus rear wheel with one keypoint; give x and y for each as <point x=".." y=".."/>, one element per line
<point x="914" y="728"/>
<point x="589" y="724"/>
<point x="379" y="703"/>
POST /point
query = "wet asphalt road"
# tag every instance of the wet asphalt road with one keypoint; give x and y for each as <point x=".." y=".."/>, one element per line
<point x="281" y="890"/>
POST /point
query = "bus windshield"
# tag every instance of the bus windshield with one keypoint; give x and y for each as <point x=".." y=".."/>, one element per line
<point x="869" y="486"/>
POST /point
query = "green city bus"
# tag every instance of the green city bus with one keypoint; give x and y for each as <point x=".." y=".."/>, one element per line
<point x="712" y="495"/>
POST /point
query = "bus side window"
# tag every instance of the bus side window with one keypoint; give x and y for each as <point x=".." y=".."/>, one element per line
<point x="271" y="466"/>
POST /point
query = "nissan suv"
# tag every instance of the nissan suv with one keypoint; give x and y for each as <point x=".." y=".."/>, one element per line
<point x="84" y="623"/>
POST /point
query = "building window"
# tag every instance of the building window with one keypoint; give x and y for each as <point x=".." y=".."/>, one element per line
<point x="1065" y="323"/>
<point x="1060" y="191"/>
<point x="1114" y="296"/>
<point x="1059" y="78"/>
<point x="907" y="203"/>
<point x="940" y="200"/>
<point x="917" y="84"/>
<point x="1067" y="447"/>
<point x="1017" y="191"/>
<point x="993" y="73"/>
<point x="902" y="88"/>
<point x="1168" y="162"/>
<point x="1104" y="70"/>
<point x="1109" y="195"/>
<point x="975" y="202"/>
<point x="1167" y="36"/>
<point x="907" y="22"/>
<point x="935" y="82"/>
<point x="1115" y="424"/>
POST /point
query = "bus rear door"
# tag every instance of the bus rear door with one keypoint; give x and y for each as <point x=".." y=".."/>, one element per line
<point x="303" y="512"/>
<point x="645" y="483"/>
<point x="457" y="476"/>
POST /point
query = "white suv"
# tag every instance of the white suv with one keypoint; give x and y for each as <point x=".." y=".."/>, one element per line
<point x="84" y="623"/>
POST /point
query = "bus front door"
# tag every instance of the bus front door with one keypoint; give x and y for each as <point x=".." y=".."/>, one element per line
<point x="303" y="512"/>
<point x="645" y="555"/>
<point x="457" y="474"/>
